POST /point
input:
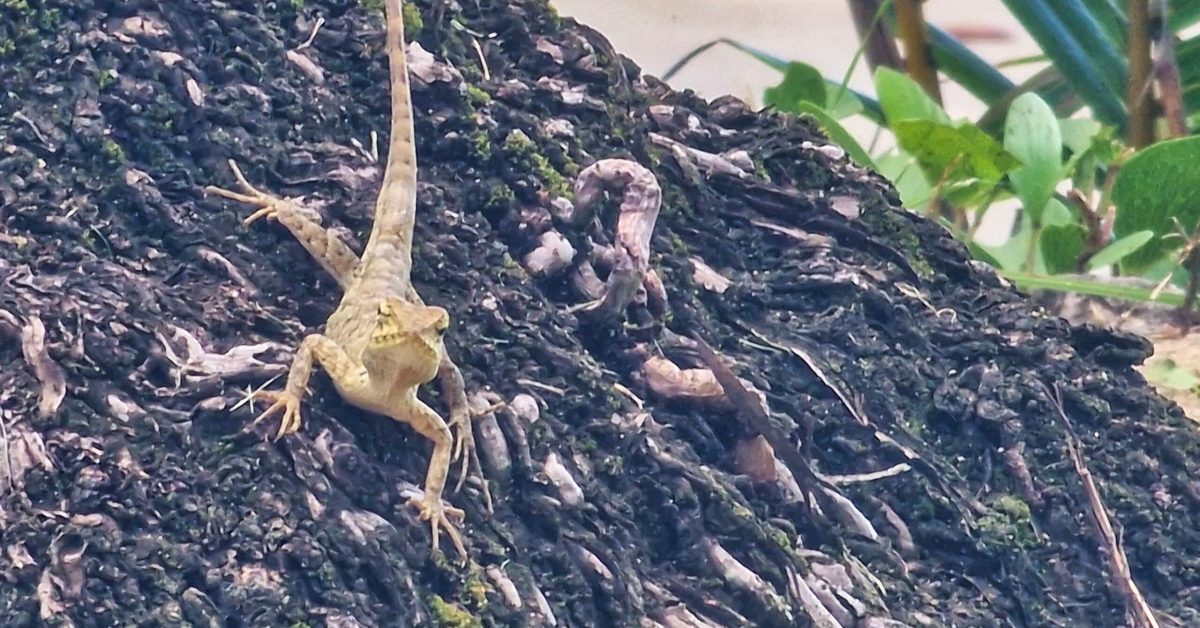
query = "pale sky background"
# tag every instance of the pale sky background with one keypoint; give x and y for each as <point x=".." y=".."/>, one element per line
<point x="657" y="33"/>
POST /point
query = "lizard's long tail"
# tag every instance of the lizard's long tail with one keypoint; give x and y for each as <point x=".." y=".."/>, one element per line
<point x="402" y="160"/>
<point x="391" y="233"/>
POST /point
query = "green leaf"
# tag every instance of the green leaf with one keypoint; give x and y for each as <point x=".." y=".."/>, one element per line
<point x="1106" y="53"/>
<point x="1166" y="372"/>
<point x="1088" y="163"/>
<point x="966" y="68"/>
<point x="1013" y="255"/>
<point x="1058" y="214"/>
<point x="766" y="57"/>
<point x="1157" y="186"/>
<point x="801" y="82"/>
<point x="902" y="170"/>
<point x="1119" y="249"/>
<point x="981" y="253"/>
<point x="1061" y="247"/>
<point x="1079" y="68"/>
<point x="842" y="102"/>
<point x="836" y="132"/>
<point x="903" y="99"/>
<point x="955" y="153"/>
<point x="1031" y="134"/>
<point x="869" y="106"/>
<point x="1110" y="14"/>
<point x="1183" y="14"/>
<point x="1079" y="285"/>
<point x="1078" y="133"/>
<point x="968" y="193"/>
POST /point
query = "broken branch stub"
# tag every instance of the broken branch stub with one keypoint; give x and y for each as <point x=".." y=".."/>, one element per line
<point x="639" y="209"/>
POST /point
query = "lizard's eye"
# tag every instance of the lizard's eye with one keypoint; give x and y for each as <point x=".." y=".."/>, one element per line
<point x="442" y="323"/>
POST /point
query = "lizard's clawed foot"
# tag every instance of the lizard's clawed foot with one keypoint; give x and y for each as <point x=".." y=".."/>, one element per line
<point x="431" y="509"/>
<point x="464" y="448"/>
<point x="268" y="204"/>
<point x="281" y="400"/>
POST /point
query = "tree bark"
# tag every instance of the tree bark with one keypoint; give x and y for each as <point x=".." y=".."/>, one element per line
<point x="915" y="469"/>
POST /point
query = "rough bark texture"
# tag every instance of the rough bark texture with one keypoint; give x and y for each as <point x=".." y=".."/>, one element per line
<point x="133" y="311"/>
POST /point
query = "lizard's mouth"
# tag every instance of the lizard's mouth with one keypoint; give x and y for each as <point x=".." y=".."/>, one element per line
<point x="386" y="338"/>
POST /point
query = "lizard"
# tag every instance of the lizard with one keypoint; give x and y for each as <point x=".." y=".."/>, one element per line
<point x="382" y="342"/>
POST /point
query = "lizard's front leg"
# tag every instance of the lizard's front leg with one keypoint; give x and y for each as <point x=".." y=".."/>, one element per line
<point x="454" y="390"/>
<point x="325" y="246"/>
<point x="349" y="376"/>
<point x="462" y="422"/>
<point x="429" y="424"/>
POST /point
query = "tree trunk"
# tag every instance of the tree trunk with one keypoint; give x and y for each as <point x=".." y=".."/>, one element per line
<point x="875" y="439"/>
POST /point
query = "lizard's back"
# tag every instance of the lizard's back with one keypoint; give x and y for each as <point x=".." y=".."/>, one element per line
<point x="385" y="268"/>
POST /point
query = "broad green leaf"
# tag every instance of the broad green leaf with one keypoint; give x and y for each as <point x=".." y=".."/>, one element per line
<point x="968" y="193"/>
<point x="1088" y="161"/>
<point x="903" y="99"/>
<point x="801" y="82"/>
<point x="841" y="102"/>
<point x="1166" y="268"/>
<point x="1058" y="214"/>
<point x="836" y="132"/>
<point x="1166" y="372"/>
<point x="1119" y="249"/>
<point x="1013" y="255"/>
<point x="953" y="153"/>
<point x="1158" y="185"/>
<point x="1031" y="134"/>
<point x="902" y="170"/>
<point x="1079" y="133"/>
<point x="1061" y="247"/>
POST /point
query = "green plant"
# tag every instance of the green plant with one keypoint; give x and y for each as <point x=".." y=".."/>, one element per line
<point x="1093" y="151"/>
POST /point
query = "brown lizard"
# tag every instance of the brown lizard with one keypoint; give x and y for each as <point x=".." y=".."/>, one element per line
<point x="382" y="342"/>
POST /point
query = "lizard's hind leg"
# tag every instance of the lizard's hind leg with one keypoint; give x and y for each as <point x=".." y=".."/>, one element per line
<point x="429" y="423"/>
<point x="305" y="225"/>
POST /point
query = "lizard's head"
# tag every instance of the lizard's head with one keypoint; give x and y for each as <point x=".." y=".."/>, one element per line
<point x="408" y="336"/>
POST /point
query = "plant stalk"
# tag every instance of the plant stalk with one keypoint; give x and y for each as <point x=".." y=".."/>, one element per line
<point x="918" y="57"/>
<point x="881" y="48"/>
<point x="1166" y="70"/>
<point x="1138" y="101"/>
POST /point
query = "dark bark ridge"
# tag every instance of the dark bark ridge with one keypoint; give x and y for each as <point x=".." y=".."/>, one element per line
<point x="914" y="386"/>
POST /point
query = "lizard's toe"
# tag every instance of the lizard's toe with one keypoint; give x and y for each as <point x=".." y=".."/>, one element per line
<point x="269" y="209"/>
<point x="288" y="403"/>
<point x="438" y="516"/>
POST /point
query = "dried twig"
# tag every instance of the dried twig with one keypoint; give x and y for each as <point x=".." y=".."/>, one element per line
<point x="640" y="204"/>
<point x="1136" y="605"/>
<point x="751" y="411"/>
<point x="825" y="378"/>
<point x="49" y="373"/>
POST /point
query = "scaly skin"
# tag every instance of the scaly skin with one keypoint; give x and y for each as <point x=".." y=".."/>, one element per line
<point x="382" y="342"/>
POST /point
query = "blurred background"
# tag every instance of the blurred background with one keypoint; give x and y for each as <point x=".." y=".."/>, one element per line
<point x="657" y="33"/>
